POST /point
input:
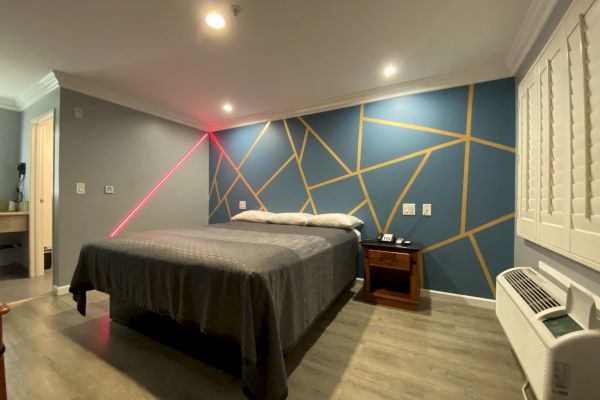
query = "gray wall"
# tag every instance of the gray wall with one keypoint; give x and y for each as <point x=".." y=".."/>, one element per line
<point x="526" y="252"/>
<point x="10" y="136"/>
<point x="10" y="132"/>
<point x="131" y="150"/>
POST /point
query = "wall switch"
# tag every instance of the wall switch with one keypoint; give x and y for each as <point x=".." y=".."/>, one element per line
<point x="109" y="189"/>
<point x="78" y="112"/>
<point x="427" y="209"/>
<point x="242" y="204"/>
<point x="80" y="188"/>
<point x="408" y="208"/>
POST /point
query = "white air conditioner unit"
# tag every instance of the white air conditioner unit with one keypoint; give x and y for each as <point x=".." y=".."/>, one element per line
<point x="555" y="334"/>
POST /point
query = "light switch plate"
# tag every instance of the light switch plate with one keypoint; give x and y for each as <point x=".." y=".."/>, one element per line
<point x="408" y="209"/>
<point x="109" y="189"/>
<point x="242" y="204"/>
<point x="427" y="209"/>
<point x="78" y="112"/>
<point x="80" y="188"/>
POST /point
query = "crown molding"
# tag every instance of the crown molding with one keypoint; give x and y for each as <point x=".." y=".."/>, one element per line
<point x="535" y="19"/>
<point x="9" y="104"/>
<point x="445" y="81"/>
<point x="69" y="81"/>
<point x="41" y="88"/>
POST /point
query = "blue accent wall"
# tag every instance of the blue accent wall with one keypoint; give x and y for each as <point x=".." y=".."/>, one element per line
<point x="453" y="148"/>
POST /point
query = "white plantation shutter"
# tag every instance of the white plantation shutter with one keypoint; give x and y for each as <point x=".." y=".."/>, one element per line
<point x="554" y="128"/>
<point x="528" y="156"/>
<point x="585" y="136"/>
<point x="559" y="140"/>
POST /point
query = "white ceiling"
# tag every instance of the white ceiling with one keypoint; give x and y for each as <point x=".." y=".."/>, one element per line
<point x="277" y="55"/>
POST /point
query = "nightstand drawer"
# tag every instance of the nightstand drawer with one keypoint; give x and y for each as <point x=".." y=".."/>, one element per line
<point x="389" y="259"/>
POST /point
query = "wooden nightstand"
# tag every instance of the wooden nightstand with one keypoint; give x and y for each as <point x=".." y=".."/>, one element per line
<point x="392" y="274"/>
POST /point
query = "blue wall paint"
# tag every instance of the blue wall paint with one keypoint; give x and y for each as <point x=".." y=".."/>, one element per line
<point x="412" y="145"/>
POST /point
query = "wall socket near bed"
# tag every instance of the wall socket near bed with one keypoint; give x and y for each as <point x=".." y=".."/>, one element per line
<point x="408" y="209"/>
<point x="242" y="205"/>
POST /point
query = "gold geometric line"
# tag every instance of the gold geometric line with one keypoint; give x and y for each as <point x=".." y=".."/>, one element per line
<point x="306" y="203"/>
<point x="405" y="190"/>
<point x="217" y="189"/>
<point x="240" y="176"/>
<point x="358" y="207"/>
<point x="389" y="162"/>
<point x="414" y="127"/>
<point x="483" y="264"/>
<point x="215" y="174"/>
<point x="262" y="132"/>
<point x="493" y="144"/>
<point x="415" y="154"/>
<point x="360" y="134"/>
<point x="369" y="202"/>
<point x="332" y="180"/>
<point x="469" y="232"/>
<point x="299" y="163"/>
<point x="325" y="145"/>
<point x="228" y="209"/>
<point x="264" y="186"/>
<point x="224" y="196"/>
<point x="303" y="144"/>
<point x="465" y="186"/>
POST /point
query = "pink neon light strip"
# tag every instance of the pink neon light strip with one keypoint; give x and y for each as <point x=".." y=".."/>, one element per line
<point x="165" y="178"/>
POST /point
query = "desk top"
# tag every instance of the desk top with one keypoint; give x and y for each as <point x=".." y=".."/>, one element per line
<point x="13" y="213"/>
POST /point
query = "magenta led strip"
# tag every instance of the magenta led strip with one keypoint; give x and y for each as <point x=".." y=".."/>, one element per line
<point x="148" y="196"/>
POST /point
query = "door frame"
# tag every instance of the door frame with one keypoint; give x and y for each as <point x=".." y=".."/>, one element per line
<point x="36" y="247"/>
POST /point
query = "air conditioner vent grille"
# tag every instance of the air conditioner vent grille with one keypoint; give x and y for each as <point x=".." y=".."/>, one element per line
<point x="535" y="297"/>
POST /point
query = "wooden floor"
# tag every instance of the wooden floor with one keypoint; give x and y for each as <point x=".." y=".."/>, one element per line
<point x="355" y="351"/>
<point x="16" y="285"/>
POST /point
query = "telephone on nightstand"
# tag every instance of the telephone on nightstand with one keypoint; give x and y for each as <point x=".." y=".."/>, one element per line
<point x="391" y="238"/>
<point x="386" y="237"/>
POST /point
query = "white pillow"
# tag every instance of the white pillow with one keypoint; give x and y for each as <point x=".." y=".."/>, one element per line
<point x="290" y="218"/>
<point x="335" y="220"/>
<point x="253" y="216"/>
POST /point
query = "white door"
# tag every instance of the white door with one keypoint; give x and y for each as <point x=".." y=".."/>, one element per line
<point x="42" y="172"/>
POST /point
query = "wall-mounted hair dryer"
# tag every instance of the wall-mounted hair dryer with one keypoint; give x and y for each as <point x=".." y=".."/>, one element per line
<point x="21" y="168"/>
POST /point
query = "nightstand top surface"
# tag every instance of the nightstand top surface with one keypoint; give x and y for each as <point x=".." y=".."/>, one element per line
<point x="414" y="246"/>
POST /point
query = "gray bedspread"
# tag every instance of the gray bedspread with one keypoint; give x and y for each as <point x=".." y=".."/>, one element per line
<point x="261" y="285"/>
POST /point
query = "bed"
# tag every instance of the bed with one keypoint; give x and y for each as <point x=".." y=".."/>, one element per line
<point x="259" y="285"/>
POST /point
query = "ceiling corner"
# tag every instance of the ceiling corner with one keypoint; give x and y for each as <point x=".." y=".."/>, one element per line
<point x="535" y="19"/>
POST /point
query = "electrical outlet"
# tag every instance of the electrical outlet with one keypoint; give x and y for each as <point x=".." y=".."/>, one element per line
<point x="78" y="112"/>
<point x="109" y="189"/>
<point x="408" y="209"/>
<point x="427" y="209"/>
<point x="242" y="204"/>
<point x="80" y="188"/>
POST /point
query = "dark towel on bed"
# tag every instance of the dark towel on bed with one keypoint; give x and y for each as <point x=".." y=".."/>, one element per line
<point x="261" y="285"/>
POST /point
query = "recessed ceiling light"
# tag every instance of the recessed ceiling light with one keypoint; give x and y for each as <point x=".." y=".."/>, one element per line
<point x="215" y="20"/>
<point x="389" y="70"/>
<point x="227" y="107"/>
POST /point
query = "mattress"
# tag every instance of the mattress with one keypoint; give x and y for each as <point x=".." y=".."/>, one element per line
<point x="261" y="285"/>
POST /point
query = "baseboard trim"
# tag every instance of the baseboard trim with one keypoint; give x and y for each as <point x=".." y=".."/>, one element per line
<point x="60" y="290"/>
<point x="461" y="299"/>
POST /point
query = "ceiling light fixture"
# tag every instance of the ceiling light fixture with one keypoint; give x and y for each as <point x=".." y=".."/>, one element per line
<point x="389" y="70"/>
<point x="227" y="107"/>
<point x="215" y="20"/>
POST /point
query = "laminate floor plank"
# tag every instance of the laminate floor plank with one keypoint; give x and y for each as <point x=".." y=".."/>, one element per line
<point x="354" y="351"/>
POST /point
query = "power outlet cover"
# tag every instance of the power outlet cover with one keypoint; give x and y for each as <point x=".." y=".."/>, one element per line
<point x="408" y="209"/>
<point x="242" y="204"/>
